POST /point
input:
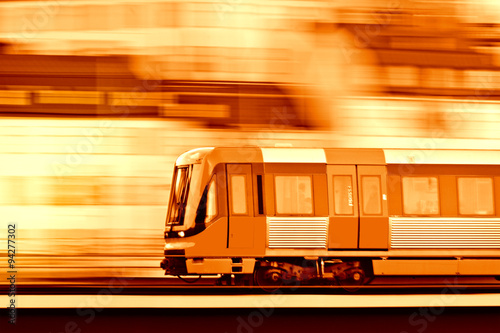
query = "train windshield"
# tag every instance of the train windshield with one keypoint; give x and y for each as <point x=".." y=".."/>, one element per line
<point x="179" y="195"/>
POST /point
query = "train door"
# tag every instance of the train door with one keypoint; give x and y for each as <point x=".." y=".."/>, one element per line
<point x="373" y="216"/>
<point x="240" y="206"/>
<point x="343" y="207"/>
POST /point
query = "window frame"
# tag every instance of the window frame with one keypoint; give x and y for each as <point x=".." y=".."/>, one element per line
<point x="311" y="179"/>
<point x="231" y="197"/>
<point x="492" y="195"/>
<point x="438" y="195"/>
<point x="361" y="204"/>
<point x="179" y="219"/>
<point x="213" y="180"/>
<point x="353" y="210"/>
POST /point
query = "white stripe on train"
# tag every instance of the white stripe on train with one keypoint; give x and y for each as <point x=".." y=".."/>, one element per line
<point x="293" y="155"/>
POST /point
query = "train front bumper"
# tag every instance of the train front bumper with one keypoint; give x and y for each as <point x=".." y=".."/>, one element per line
<point x="174" y="265"/>
<point x="175" y="260"/>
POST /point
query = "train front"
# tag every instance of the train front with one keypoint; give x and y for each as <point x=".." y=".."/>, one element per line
<point x="190" y="206"/>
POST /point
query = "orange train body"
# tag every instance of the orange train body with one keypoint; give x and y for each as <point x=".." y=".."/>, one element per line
<point x="349" y="214"/>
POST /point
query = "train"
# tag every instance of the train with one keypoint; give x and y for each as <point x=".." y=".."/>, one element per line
<point x="272" y="216"/>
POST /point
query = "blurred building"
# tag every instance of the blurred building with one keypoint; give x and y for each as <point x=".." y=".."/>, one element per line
<point x="322" y="49"/>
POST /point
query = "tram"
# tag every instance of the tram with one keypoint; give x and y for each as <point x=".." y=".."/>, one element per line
<point x="268" y="216"/>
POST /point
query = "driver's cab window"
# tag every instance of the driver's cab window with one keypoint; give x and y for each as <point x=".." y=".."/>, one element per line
<point x="211" y="201"/>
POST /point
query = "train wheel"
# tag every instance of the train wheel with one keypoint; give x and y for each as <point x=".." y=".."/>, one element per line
<point x="268" y="278"/>
<point x="353" y="280"/>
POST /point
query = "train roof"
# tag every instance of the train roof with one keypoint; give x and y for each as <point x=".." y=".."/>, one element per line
<point x="368" y="156"/>
<point x="442" y="156"/>
<point x="193" y="156"/>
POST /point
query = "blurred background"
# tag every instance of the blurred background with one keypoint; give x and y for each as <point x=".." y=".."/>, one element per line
<point x="98" y="98"/>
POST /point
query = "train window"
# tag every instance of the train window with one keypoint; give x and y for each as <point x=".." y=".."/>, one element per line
<point x="475" y="196"/>
<point x="420" y="195"/>
<point x="342" y="195"/>
<point x="179" y="195"/>
<point x="293" y="194"/>
<point x="211" y="201"/>
<point x="238" y="194"/>
<point x="372" y="203"/>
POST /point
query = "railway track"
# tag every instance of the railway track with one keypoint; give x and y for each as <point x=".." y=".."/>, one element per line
<point x="209" y="289"/>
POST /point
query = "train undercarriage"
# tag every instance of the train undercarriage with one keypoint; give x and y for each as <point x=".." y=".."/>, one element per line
<point x="350" y="274"/>
<point x="272" y="273"/>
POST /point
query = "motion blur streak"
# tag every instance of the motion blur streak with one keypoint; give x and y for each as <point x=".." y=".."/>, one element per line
<point x="98" y="98"/>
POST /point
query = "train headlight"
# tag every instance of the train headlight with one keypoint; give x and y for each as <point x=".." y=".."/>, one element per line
<point x="181" y="234"/>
